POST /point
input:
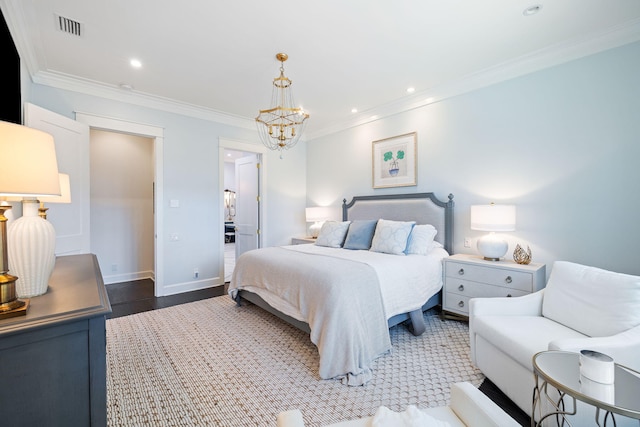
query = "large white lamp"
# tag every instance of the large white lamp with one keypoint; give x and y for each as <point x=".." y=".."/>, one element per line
<point x="493" y="218"/>
<point x="317" y="215"/>
<point x="29" y="169"/>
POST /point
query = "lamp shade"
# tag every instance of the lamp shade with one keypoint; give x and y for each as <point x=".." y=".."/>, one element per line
<point x="30" y="169"/>
<point x="29" y="164"/>
<point x="65" y="191"/>
<point x="317" y="213"/>
<point x="493" y="217"/>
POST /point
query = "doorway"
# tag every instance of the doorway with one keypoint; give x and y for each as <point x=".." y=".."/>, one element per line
<point x="121" y="183"/>
<point x="156" y="134"/>
<point x="244" y="192"/>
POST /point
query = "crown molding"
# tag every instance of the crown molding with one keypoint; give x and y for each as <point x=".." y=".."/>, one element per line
<point x="555" y="55"/>
<point x="526" y="64"/>
<point x="139" y="98"/>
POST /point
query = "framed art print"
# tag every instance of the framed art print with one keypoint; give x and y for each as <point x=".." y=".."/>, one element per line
<point x="394" y="161"/>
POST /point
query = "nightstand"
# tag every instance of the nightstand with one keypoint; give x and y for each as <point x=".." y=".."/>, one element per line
<point x="302" y="240"/>
<point x="470" y="276"/>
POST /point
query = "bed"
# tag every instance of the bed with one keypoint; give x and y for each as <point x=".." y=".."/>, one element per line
<point x="347" y="297"/>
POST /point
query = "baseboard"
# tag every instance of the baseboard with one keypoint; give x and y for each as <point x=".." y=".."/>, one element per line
<point x="196" y="285"/>
<point x="127" y="277"/>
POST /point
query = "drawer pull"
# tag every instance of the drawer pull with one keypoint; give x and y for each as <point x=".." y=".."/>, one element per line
<point x="461" y="288"/>
<point x="461" y="304"/>
<point x="508" y="279"/>
<point x="461" y="272"/>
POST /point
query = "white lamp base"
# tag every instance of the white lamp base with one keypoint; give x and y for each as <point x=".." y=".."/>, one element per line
<point x="314" y="229"/>
<point x="492" y="247"/>
<point x="32" y="244"/>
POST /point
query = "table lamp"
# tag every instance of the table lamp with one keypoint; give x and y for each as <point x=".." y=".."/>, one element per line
<point x="29" y="169"/>
<point x="493" y="218"/>
<point x="317" y="215"/>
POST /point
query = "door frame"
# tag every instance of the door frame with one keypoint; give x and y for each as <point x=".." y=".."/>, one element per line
<point x="231" y="144"/>
<point x="157" y="135"/>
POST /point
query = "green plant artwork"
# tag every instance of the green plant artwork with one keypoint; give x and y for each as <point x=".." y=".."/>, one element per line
<point x="394" y="168"/>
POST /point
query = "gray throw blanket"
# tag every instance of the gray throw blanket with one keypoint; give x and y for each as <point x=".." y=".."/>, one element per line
<point x="339" y="299"/>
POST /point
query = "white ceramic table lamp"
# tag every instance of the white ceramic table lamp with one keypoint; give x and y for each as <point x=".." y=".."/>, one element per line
<point x="493" y="218"/>
<point x="317" y="215"/>
<point x="29" y="169"/>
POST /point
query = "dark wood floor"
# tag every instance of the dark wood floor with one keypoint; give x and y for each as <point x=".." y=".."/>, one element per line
<point x="138" y="296"/>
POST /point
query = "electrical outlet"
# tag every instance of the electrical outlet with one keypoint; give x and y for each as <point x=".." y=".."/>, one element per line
<point x="467" y="242"/>
<point x="114" y="267"/>
<point x="196" y="273"/>
<point x="174" y="237"/>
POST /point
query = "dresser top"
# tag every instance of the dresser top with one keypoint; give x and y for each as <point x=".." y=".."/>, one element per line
<point x="76" y="290"/>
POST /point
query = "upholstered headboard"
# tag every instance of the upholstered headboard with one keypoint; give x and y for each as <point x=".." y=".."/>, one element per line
<point x="423" y="208"/>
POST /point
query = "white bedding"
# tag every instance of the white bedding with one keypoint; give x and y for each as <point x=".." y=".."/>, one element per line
<point x="405" y="283"/>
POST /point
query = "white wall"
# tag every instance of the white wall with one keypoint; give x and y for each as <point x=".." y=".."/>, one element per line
<point x="122" y="205"/>
<point x="191" y="176"/>
<point x="561" y="144"/>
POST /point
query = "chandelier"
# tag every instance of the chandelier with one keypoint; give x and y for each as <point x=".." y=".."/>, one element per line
<point x="281" y="125"/>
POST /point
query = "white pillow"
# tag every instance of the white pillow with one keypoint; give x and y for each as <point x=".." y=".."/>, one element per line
<point x="332" y="233"/>
<point x="391" y="236"/>
<point x="595" y="302"/>
<point x="421" y="239"/>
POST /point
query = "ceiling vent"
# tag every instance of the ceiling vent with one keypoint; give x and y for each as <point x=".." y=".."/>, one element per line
<point x="69" y="26"/>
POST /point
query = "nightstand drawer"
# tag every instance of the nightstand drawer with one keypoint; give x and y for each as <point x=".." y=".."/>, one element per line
<point x="478" y="290"/>
<point x="456" y="303"/>
<point x="493" y="276"/>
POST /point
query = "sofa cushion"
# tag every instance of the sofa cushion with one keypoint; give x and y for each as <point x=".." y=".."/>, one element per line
<point x="595" y="302"/>
<point x="521" y="336"/>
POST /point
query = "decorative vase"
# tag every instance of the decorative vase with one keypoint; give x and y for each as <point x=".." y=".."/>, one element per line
<point x="32" y="244"/>
<point x="520" y="256"/>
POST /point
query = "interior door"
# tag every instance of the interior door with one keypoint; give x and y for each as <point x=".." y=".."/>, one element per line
<point x="247" y="218"/>
<point x="71" y="221"/>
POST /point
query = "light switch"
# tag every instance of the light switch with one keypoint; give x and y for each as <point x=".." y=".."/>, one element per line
<point x="174" y="203"/>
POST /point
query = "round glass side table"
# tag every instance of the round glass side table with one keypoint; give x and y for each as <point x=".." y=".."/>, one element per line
<point x="561" y="370"/>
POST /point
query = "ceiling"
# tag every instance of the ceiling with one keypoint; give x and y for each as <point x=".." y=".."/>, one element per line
<point x="216" y="59"/>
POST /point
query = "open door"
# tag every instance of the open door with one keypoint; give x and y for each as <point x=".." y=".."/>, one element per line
<point x="71" y="221"/>
<point x="247" y="219"/>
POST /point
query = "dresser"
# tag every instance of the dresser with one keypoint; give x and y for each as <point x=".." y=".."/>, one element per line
<point x="53" y="360"/>
<point x="470" y="276"/>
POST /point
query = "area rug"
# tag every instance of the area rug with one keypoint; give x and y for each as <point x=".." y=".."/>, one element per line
<point x="212" y="363"/>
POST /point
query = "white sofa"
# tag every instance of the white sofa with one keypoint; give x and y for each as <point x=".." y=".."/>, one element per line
<point x="469" y="407"/>
<point x="581" y="308"/>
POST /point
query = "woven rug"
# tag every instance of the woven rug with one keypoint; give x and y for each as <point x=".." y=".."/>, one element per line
<point x="212" y="363"/>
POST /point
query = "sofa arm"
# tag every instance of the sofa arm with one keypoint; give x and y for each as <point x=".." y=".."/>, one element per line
<point x="474" y="408"/>
<point x="292" y="418"/>
<point x="526" y="305"/>
<point x="624" y="347"/>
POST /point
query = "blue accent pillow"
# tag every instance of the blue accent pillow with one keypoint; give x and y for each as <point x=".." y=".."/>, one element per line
<point x="360" y="234"/>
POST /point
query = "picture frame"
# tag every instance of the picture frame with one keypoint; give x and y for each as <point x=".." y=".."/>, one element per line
<point x="394" y="161"/>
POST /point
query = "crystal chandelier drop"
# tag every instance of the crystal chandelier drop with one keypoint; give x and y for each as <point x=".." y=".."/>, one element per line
<point x="281" y="125"/>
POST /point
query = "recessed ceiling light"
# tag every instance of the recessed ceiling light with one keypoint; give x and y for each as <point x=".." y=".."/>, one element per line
<point x="532" y="10"/>
<point x="135" y="63"/>
<point x="354" y="110"/>
<point x="411" y="89"/>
